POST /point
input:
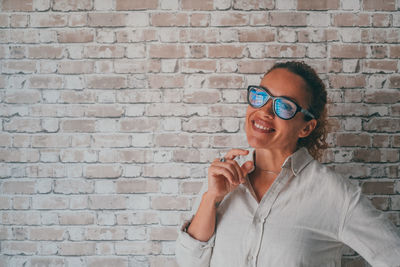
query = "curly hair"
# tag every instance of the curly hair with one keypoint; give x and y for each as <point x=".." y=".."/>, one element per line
<point x="316" y="141"/>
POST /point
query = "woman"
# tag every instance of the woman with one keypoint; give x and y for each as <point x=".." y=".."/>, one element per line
<point x="284" y="208"/>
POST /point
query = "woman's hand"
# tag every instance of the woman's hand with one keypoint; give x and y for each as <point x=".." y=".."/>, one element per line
<point x="224" y="177"/>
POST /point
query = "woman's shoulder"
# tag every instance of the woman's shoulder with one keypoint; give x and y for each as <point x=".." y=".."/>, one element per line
<point x="331" y="180"/>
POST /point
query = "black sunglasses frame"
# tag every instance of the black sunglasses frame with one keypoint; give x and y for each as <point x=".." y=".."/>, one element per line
<point x="298" y="107"/>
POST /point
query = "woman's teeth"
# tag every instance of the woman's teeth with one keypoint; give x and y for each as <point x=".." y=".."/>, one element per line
<point x="262" y="127"/>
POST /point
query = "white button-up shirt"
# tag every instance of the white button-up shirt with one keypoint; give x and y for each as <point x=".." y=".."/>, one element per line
<point x="304" y="219"/>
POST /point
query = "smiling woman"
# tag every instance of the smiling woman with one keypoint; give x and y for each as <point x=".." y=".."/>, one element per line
<point x="284" y="208"/>
<point x="317" y="99"/>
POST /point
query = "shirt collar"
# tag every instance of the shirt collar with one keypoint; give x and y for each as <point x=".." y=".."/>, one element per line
<point x="296" y="162"/>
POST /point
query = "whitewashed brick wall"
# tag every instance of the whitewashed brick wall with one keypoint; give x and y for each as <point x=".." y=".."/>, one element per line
<point x="111" y="111"/>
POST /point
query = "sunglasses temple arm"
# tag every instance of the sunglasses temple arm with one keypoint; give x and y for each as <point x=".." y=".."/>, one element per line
<point x="308" y="113"/>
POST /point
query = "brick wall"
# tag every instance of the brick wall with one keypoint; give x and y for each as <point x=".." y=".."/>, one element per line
<point x="111" y="111"/>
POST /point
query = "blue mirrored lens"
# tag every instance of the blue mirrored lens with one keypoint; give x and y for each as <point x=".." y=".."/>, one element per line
<point x="258" y="97"/>
<point x="284" y="108"/>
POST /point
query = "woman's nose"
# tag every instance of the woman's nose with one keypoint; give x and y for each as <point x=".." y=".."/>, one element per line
<point x="268" y="110"/>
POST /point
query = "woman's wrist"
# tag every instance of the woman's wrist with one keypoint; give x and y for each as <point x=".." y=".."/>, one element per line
<point x="212" y="198"/>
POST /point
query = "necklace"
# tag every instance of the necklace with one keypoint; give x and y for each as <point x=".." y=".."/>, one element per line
<point x="267" y="171"/>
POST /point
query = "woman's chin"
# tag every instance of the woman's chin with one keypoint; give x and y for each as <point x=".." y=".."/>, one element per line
<point x="256" y="143"/>
<point x="260" y="139"/>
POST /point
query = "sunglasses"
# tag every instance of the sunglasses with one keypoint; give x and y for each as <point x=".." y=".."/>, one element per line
<point x="283" y="107"/>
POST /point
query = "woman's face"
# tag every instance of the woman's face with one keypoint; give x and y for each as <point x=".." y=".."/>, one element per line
<point x="280" y="134"/>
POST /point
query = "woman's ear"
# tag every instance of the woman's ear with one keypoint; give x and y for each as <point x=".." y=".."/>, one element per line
<point x="308" y="128"/>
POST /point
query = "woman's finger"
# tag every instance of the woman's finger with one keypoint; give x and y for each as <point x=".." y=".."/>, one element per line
<point x="239" y="171"/>
<point x="218" y="170"/>
<point x="229" y="165"/>
<point x="233" y="153"/>
<point x="247" y="167"/>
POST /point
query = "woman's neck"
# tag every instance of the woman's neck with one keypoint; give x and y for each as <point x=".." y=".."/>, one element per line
<point x="270" y="160"/>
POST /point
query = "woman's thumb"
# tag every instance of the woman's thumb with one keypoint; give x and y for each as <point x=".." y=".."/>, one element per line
<point x="247" y="167"/>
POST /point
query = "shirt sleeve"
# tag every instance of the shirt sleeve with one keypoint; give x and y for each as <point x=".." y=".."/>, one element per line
<point x="192" y="252"/>
<point x="366" y="230"/>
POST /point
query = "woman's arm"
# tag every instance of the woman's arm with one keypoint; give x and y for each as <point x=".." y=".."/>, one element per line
<point x="194" y="246"/>
<point x="370" y="233"/>
<point x="202" y="226"/>
<point x="223" y="177"/>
